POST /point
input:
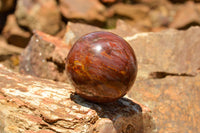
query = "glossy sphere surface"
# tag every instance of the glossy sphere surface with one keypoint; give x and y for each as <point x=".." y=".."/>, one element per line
<point x="102" y="67"/>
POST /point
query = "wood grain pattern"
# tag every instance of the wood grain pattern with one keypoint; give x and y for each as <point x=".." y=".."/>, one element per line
<point x="102" y="66"/>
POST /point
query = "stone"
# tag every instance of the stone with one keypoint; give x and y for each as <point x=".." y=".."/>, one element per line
<point x="14" y="34"/>
<point x="6" y="5"/>
<point x="168" y="77"/>
<point x="136" y="15"/>
<point x="78" y="9"/>
<point x="103" y="125"/>
<point x="33" y="105"/>
<point x="44" y="57"/>
<point x="122" y="27"/>
<point x="40" y="15"/>
<point x="101" y="61"/>
<point x="9" y="55"/>
<point x="186" y="16"/>
<point x="75" y="30"/>
<point x="170" y="51"/>
<point x="174" y="102"/>
<point x="161" y="16"/>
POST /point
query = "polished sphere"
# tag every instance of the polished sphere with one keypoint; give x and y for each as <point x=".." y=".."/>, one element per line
<point x="101" y="66"/>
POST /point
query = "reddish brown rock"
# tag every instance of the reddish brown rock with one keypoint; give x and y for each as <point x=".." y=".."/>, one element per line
<point x="186" y="16"/>
<point x="6" y="5"/>
<point x="88" y="10"/>
<point x="101" y="61"/>
<point x="40" y="15"/>
<point x="14" y="34"/>
<point x="31" y="104"/>
<point x="44" y="57"/>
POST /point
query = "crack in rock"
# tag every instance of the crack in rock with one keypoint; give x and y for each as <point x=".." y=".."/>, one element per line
<point x="159" y="75"/>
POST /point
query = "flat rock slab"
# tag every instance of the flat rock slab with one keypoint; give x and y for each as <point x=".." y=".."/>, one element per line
<point x="170" y="52"/>
<point x="174" y="102"/>
<point x="168" y="78"/>
<point x="32" y="105"/>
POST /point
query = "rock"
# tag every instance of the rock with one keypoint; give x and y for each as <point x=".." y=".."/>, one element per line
<point x="61" y="33"/>
<point x="186" y="16"/>
<point x="171" y="52"/>
<point x="168" y="77"/>
<point x="6" y="5"/>
<point x="40" y="15"/>
<point x="75" y="30"/>
<point x="45" y="57"/>
<point x="9" y="55"/>
<point x="103" y="125"/>
<point x="174" y="101"/>
<point x="78" y="9"/>
<point x="122" y="27"/>
<point x="161" y="16"/>
<point x="5" y="48"/>
<point x="152" y="3"/>
<point x="137" y="15"/>
<point x="14" y="34"/>
<point x="29" y="104"/>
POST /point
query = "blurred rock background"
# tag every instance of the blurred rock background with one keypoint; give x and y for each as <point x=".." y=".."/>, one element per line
<point x="20" y="17"/>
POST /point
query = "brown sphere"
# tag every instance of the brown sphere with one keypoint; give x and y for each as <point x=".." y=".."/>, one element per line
<point x="101" y="66"/>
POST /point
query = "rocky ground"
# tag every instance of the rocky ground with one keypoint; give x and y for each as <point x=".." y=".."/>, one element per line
<point x="36" y="36"/>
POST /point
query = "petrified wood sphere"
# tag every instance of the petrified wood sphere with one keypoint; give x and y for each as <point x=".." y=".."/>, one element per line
<point x="101" y="66"/>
